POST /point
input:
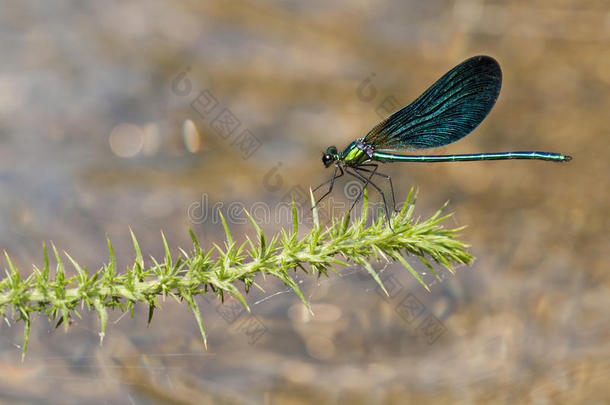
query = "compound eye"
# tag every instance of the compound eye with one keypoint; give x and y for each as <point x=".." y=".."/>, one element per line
<point x="327" y="159"/>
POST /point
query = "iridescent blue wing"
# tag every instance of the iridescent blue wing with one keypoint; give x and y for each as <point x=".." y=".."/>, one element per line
<point x="449" y="110"/>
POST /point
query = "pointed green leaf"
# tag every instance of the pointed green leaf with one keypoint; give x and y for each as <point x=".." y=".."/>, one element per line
<point x="414" y="273"/>
<point x="168" y="255"/>
<point x="25" y="316"/>
<point x="60" y="272"/>
<point x="103" y="315"/>
<point x="194" y="239"/>
<point x="314" y="210"/>
<point x="45" y="270"/>
<point x="136" y="247"/>
<point x="82" y="273"/>
<point x="374" y="275"/>
<point x="295" y="219"/>
<point x="189" y="298"/>
<point x="226" y="227"/>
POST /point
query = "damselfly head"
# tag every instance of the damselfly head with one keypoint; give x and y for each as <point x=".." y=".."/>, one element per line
<point x="329" y="156"/>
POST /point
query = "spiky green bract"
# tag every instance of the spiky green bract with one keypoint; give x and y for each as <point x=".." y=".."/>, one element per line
<point x="222" y="269"/>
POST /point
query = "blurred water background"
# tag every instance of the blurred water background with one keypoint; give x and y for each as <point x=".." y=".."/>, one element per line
<point x="154" y="114"/>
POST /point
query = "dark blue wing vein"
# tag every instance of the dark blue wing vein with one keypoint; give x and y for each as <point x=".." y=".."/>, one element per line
<point x="449" y="110"/>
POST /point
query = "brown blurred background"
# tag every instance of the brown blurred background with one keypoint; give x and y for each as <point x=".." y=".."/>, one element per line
<point x="154" y="114"/>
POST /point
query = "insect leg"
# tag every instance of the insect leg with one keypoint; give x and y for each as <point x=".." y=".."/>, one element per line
<point x="332" y="183"/>
<point x="364" y="183"/>
<point x="385" y="176"/>
<point x="367" y="181"/>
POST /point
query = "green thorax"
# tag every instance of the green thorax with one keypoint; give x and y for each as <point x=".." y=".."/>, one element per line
<point x="353" y="155"/>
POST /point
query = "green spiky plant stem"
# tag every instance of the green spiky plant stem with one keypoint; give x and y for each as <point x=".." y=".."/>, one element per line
<point x="198" y="272"/>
